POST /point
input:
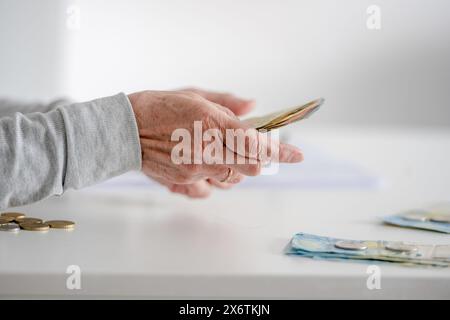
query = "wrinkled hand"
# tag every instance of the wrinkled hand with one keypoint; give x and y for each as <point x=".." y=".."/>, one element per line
<point x="202" y="189"/>
<point x="158" y="114"/>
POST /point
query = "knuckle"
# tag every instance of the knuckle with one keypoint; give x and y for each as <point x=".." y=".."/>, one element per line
<point x="227" y="111"/>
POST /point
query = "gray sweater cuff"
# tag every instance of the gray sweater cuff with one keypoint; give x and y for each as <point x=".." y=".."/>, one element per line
<point x="102" y="140"/>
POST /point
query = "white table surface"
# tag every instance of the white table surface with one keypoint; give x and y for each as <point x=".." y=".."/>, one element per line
<point x="151" y="244"/>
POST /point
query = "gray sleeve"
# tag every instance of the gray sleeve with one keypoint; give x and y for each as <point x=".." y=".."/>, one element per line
<point x="72" y="146"/>
<point x="10" y="107"/>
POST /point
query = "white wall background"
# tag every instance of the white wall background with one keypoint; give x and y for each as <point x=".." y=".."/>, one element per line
<point x="279" y="52"/>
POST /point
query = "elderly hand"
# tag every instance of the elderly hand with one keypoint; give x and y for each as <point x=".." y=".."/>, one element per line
<point x="159" y="114"/>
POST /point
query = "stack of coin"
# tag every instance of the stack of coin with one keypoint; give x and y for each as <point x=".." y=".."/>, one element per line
<point x="285" y="117"/>
<point x="14" y="221"/>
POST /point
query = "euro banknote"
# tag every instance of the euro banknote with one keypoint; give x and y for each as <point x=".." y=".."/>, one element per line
<point x="413" y="254"/>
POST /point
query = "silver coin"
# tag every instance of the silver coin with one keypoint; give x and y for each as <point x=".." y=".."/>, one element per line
<point x="400" y="247"/>
<point x="416" y="215"/>
<point x="444" y="218"/>
<point x="350" y="245"/>
<point x="10" y="227"/>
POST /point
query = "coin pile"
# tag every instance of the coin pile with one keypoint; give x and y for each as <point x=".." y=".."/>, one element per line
<point x="282" y="118"/>
<point x="14" y="221"/>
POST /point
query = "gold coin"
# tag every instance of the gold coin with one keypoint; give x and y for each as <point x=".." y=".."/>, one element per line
<point x="14" y="215"/>
<point x="28" y="220"/>
<point x="5" y="220"/>
<point x="61" y="224"/>
<point x="33" y="226"/>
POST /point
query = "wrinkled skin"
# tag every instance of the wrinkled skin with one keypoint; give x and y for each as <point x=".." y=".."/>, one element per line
<point x="159" y="113"/>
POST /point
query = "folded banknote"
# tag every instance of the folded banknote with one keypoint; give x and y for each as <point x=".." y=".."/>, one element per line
<point x="421" y="219"/>
<point x="405" y="253"/>
<point x="282" y="118"/>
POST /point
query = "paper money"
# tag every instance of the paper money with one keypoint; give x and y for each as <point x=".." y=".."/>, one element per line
<point x="421" y="219"/>
<point x="282" y="118"/>
<point x="405" y="253"/>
